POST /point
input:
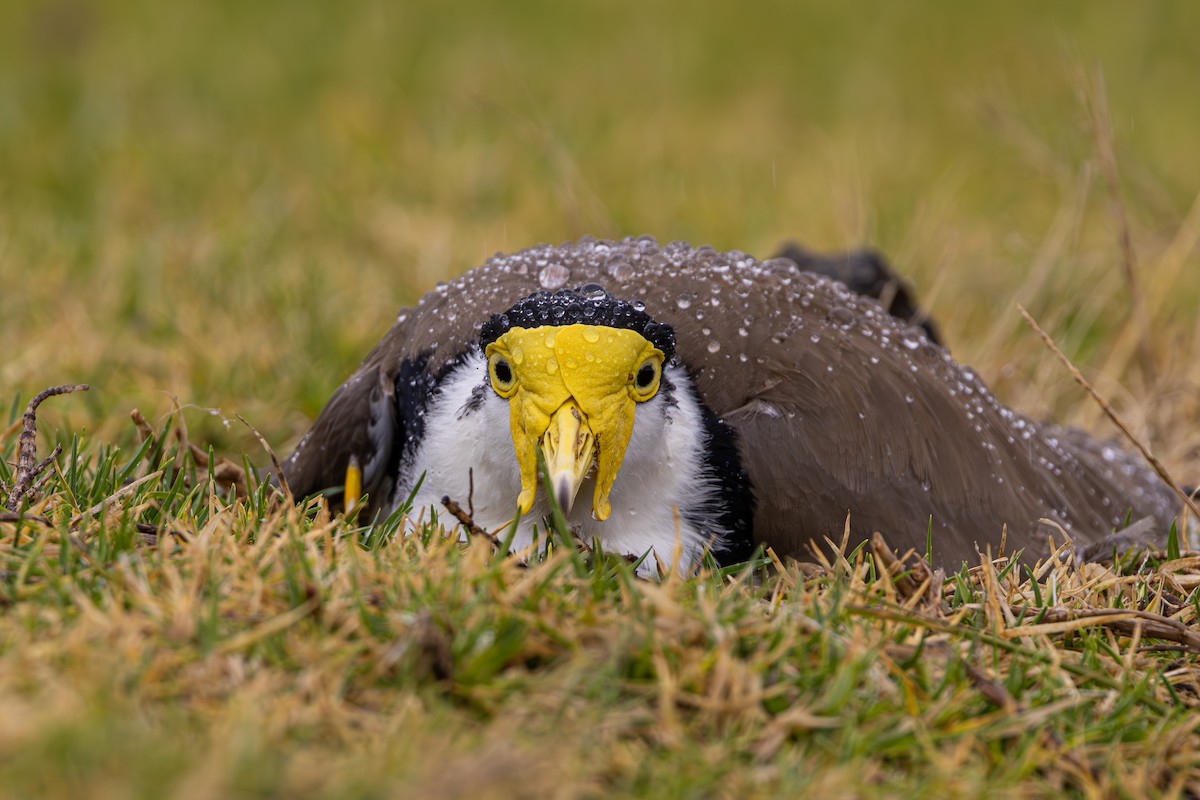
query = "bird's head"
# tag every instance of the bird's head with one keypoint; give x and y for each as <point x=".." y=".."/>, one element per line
<point x="574" y="365"/>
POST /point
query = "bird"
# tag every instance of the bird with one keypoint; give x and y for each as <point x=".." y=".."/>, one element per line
<point x="689" y="401"/>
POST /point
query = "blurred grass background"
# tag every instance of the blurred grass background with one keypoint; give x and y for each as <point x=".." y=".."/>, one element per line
<point x="227" y="202"/>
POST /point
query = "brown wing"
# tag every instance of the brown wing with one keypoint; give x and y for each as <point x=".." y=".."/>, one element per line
<point x="840" y="408"/>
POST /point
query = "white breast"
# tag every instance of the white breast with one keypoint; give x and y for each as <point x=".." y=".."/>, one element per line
<point x="663" y="473"/>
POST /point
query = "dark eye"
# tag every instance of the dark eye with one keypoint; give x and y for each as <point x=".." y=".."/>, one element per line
<point x="500" y="371"/>
<point x="645" y="376"/>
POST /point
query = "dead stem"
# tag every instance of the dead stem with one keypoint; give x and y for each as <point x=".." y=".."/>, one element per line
<point x="467" y="521"/>
<point x="1111" y="413"/>
<point x="28" y="467"/>
<point x="225" y="472"/>
<point x="283" y="484"/>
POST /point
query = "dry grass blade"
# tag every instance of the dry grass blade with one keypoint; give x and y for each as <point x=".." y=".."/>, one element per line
<point x="1130" y="623"/>
<point x="1115" y="418"/>
<point x="916" y="584"/>
<point x="125" y="491"/>
<point x="262" y="440"/>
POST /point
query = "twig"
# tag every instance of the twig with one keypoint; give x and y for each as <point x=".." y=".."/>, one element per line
<point x="224" y="472"/>
<point x="27" y="467"/>
<point x="471" y="491"/>
<point x="143" y="427"/>
<point x="467" y="521"/>
<point x="12" y="516"/>
<point x="1113" y="416"/>
<point x="41" y="468"/>
<point x="146" y="529"/>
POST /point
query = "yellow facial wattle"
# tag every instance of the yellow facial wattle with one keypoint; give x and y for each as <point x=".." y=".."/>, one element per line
<point x="574" y="389"/>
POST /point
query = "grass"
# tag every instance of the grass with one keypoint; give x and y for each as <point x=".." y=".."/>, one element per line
<point x="276" y="650"/>
<point x="224" y="206"/>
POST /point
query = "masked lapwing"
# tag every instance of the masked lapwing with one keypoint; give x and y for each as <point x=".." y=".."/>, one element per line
<point x="688" y="398"/>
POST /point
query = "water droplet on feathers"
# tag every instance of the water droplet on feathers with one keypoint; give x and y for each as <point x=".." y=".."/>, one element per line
<point x="554" y="276"/>
<point x="620" y="270"/>
<point x="842" y="317"/>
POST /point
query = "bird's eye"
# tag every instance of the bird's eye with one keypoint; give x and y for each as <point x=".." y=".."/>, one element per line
<point x="645" y="380"/>
<point x="645" y="376"/>
<point x="501" y="373"/>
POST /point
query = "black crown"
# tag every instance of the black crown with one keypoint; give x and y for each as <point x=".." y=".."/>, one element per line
<point x="586" y="305"/>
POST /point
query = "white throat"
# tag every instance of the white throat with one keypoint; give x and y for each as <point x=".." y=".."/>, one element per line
<point x="663" y="499"/>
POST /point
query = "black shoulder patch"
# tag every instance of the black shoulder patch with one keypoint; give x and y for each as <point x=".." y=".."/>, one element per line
<point x="735" y="492"/>
<point x="414" y="388"/>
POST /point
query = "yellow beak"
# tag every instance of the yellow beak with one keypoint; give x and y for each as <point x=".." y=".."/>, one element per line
<point x="569" y="447"/>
